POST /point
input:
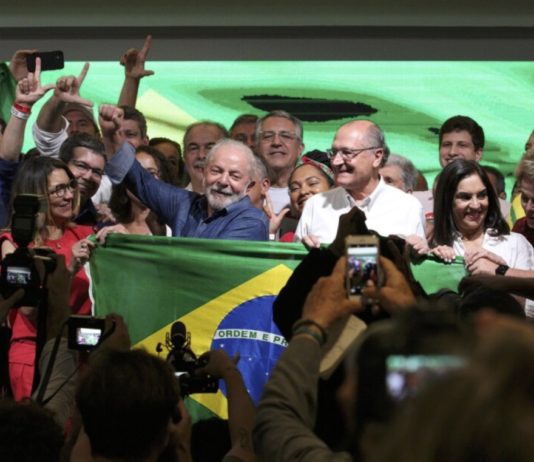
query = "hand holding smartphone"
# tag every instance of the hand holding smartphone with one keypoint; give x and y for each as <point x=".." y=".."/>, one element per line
<point x="50" y="60"/>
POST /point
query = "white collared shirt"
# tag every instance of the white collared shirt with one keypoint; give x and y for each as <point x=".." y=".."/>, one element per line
<point x="388" y="211"/>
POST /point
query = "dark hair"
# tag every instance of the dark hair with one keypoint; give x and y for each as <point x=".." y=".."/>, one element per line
<point x="160" y="159"/>
<point x="499" y="177"/>
<point x="160" y="140"/>
<point x="126" y="400"/>
<point x="3" y="125"/>
<point x="28" y="432"/>
<point x="449" y="178"/>
<point x="130" y="113"/>
<point x="80" y="140"/>
<point x="120" y="203"/>
<point x="466" y="416"/>
<point x="216" y="431"/>
<point x="32" y="178"/>
<point x="460" y="123"/>
<point x="480" y="298"/>
<point x="316" y="158"/>
<point x="244" y="119"/>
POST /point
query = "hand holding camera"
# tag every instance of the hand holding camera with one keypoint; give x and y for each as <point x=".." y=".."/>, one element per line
<point x="218" y="363"/>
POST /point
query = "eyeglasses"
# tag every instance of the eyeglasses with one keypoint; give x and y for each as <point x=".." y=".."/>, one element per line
<point x="348" y="154"/>
<point x="83" y="167"/>
<point x="60" y="190"/>
<point x="285" y="137"/>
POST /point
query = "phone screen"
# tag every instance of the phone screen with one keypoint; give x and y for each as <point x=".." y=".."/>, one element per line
<point x="88" y="336"/>
<point x="407" y="375"/>
<point x="17" y="275"/>
<point x="361" y="267"/>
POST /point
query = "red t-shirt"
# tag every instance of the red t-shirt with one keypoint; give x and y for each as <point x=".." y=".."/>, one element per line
<point x="522" y="227"/>
<point x="79" y="300"/>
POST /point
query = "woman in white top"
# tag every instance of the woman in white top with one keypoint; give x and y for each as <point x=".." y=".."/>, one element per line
<point x="468" y="223"/>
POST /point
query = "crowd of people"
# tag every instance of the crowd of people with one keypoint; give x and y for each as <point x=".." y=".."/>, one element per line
<point x="334" y="393"/>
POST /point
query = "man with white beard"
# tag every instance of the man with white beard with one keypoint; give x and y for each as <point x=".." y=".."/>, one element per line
<point x="224" y="211"/>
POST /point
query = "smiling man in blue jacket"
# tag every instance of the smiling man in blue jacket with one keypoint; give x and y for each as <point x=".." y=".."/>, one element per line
<point x="224" y="211"/>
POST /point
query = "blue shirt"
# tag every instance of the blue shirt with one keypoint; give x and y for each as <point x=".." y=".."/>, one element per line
<point x="186" y="212"/>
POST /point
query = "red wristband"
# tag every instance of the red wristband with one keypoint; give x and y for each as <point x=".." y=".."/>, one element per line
<point x="22" y="108"/>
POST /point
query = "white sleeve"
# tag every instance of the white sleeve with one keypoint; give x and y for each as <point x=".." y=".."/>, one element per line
<point x="48" y="143"/>
<point x="522" y="256"/>
<point x="104" y="191"/>
<point x="421" y="225"/>
<point x="304" y="224"/>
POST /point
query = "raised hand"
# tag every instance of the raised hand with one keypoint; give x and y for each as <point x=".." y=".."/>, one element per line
<point x="110" y="119"/>
<point x="275" y="219"/>
<point x="18" y="66"/>
<point x="133" y="61"/>
<point x="29" y="89"/>
<point x="68" y="88"/>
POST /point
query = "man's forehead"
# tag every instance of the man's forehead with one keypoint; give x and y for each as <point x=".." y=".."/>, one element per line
<point x="350" y="137"/>
<point x="75" y="114"/>
<point x="204" y="134"/>
<point x="458" y="135"/>
<point x="88" y="156"/>
<point x="275" y="122"/>
<point x="130" y="124"/>
<point x="228" y="157"/>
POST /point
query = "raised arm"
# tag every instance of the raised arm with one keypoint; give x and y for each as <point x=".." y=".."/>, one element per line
<point x="67" y="90"/>
<point x="133" y="61"/>
<point x="241" y="409"/>
<point x="28" y="91"/>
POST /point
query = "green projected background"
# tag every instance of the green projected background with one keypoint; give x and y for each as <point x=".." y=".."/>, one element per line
<point x="409" y="97"/>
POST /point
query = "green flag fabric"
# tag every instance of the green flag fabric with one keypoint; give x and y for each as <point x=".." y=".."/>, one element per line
<point x="434" y="275"/>
<point x="7" y="91"/>
<point x="221" y="290"/>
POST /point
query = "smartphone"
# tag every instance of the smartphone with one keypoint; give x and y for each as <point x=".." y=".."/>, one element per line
<point x="50" y="60"/>
<point x="362" y="263"/>
<point x="407" y="375"/>
<point x="84" y="332"/>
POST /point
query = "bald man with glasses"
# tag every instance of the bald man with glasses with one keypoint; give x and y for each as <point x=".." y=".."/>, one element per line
<point x="358" y="152"/>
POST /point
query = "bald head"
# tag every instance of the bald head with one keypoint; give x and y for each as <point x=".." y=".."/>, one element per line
<point x="360" y="150"/>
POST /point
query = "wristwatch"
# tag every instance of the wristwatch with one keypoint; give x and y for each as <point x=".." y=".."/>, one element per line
<point x="501" y="270"/>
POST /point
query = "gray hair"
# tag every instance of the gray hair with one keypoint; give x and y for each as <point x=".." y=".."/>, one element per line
<point x="284" y="115"/>
<point x="409" y="172"/>
<point x="236" y="146"/>
<point x="525" y="169"/>
<point x="376" y="137"/>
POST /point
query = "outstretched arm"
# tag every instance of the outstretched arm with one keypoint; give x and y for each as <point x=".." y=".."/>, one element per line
<point x="133" y="61"/>
<point x="241" y="409"/>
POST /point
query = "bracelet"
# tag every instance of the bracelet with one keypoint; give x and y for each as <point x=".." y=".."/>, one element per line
<point x="308" y="322"/>
<point x="22" y="108"/>
<point x="19" y="114"/>
<point x="312" y="333"/>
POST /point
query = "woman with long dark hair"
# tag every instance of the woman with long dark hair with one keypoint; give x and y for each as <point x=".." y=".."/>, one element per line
<point x="468" y="223"/>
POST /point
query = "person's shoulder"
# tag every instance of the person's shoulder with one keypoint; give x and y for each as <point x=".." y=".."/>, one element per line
<point x="398" y="195"/>
<point x="81" y="231"/>
<point x="519" y="239"/>
<point x="328" y="197"/>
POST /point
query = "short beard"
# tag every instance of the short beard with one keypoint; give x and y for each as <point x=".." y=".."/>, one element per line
<point x="218" y="204"/>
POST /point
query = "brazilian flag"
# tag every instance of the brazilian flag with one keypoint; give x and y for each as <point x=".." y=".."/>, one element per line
<point x="221" y="290"/>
